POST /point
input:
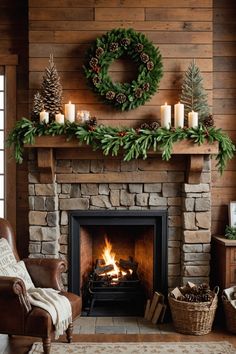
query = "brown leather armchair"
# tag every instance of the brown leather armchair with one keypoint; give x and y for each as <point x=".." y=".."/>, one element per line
<point x="17" y="315"/>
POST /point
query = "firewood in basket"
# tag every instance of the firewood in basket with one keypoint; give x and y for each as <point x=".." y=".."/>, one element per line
<point x="103" y="270"/>
<point x="128" y="264"/>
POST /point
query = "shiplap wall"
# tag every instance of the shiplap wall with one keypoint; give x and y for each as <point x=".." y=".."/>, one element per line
<point x="182" y="29"/>
<point x="66" y="28"/>
<point x="224" y="104"/>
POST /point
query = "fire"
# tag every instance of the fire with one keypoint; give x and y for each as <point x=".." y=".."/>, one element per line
<point x="110" y="258"/>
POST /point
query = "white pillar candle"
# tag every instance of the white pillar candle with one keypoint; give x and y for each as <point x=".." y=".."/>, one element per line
<point x="70" y="112"/>
<point x="166" y="116"/>
<point x="44" y="117"/>
<point x="179" y="115"/>
<point x="193" y="119"/>
<point x="59" y="118"/>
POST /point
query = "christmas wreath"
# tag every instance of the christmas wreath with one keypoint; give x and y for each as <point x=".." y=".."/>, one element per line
<point x="114" y="45"/>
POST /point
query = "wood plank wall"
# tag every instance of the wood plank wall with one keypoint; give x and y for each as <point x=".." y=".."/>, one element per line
<point x="14" y="40"/>
<point x="66" y="28"/>
<point x="224" y="104"/>
<point x="182" y="29"/>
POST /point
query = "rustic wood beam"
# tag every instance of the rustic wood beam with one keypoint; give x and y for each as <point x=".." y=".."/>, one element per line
<point x="49" y="148"/>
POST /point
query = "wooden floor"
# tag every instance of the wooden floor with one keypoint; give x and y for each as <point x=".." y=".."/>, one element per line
<point x="21" y="345"/>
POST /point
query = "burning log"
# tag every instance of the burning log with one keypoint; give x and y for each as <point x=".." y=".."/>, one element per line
<point x="100" y="262"/>
<point x="128" y="264"/>
<point x="99" y="270"/>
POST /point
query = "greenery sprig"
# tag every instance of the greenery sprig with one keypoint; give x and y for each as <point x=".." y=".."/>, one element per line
<point x="133" y="143"/>
<point x="112" y="46"/>
<point x="230" y="232"/>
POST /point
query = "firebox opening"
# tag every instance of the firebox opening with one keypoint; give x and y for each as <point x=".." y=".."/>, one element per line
<point x="138" y="243"/>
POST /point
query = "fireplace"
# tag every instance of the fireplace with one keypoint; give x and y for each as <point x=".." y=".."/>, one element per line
<point x="137" y="235"/>
<point x="91" y="183"/>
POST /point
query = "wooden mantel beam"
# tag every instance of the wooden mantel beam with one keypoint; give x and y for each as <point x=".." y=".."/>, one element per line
<point x="47" y="145"/>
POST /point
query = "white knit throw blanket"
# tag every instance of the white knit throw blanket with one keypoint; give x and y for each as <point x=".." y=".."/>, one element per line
<point x="230" y="294"/>
<point x="58" y="306"/>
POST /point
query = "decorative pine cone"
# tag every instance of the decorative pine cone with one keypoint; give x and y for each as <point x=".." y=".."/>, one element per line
<point x="96" y="80"/>
<point x="110" y="95"/>
<point x="92" y="122"/>
<point x="145" y="126"/>
<point x="138" y="48"/>
<point x="150" y="65"/>
<point x="203" y="287"/>
<point x="113" y="46"/>
<point x="144" y="57"/>
<point x="121" y="98"/>
<point x="93" y="62"/>
<point x="146" y="87"/>
<point x="125" y="42"/>
<point x="154" y="125"/>
<point x="138" y="92"/>
<point x="209" y="121"/>
<point x="190" y="297"/>
<point x="99" y="52"/>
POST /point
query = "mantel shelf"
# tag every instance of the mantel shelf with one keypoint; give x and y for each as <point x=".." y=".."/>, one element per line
<point x="47" y="145"/>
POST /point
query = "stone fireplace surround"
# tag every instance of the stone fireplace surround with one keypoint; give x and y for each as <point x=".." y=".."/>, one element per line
<point x="188" y="205"/>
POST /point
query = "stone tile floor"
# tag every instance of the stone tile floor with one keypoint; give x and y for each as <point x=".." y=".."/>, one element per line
<point x="119" y="325"/>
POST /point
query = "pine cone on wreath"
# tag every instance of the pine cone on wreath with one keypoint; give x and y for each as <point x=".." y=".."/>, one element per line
<point x="209" y="121"/>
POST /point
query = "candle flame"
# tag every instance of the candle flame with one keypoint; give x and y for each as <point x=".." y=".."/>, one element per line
<point x="69" y="102"/>
<point x="165" y="103"/>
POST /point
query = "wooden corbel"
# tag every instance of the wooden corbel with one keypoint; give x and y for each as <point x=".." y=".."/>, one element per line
<point x="46" y="165"/>
<point x="195" y="168"/>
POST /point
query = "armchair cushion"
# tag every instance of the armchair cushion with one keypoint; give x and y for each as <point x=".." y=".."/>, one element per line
<point x="18" y="270"/>
<point x="7" y="255"/>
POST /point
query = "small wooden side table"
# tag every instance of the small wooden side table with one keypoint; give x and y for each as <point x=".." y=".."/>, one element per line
<point x="223" y="264"/>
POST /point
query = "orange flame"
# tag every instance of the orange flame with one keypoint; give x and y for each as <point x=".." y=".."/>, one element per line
<point x="109" y="257"/>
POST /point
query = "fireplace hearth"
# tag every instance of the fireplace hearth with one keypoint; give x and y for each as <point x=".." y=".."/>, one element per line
<point x="139" y="239"/>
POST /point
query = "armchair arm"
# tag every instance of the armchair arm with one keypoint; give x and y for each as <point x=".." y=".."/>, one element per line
<point x="12" y="287"/>
<point x="45" y="272"/>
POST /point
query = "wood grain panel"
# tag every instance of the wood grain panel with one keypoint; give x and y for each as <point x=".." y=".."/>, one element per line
<point x="159" y="14"/>
<point x="224" y="187"/>
<point x="183" y="26"/>
<point x="53" y="14"/>
<point x="119" y="3"/>
<point x="89" y="36"/>
<point x="75" y="64"/>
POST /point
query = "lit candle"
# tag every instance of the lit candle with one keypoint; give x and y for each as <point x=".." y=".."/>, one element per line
<point x="44" y="117"/>
<point x="59" y="118"/>
<point x="70" y="112"/>
<point x="166" y="116"/>
<point x="179" y="115"/>
<point x="193" y="119"/>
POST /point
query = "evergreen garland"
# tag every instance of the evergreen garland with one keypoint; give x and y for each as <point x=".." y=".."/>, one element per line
<point x="51" y="90"/>
<point x="193" y="95"/>
<point x="134" y="143"/>
<point x="120" y="43"/>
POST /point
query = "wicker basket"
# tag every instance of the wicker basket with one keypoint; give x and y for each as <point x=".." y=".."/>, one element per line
<point x="230" y="315"/>
<point x="193" y="317"/>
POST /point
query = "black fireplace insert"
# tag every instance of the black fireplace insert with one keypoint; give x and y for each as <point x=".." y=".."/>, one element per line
<point x="85" y="228"/>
